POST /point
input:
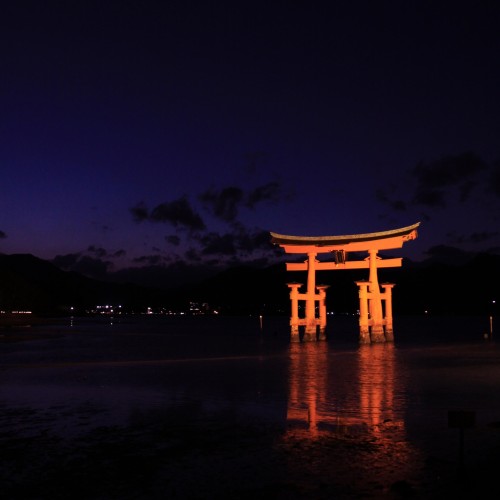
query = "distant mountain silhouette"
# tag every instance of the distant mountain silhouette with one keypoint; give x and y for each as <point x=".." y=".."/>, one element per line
<point x="30" y="283"/>
<point x="27" y="282"/>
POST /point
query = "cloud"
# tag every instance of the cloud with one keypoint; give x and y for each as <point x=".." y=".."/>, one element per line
<point x="435" y="184"/>
<point x="224" y="204"/>
<point x="96" y="262"/>
<point x="165" y="276"/>
<point x="254" y="158"/>
<point x="150" y="260"/>
<point x="255" y="240"/>
<point x="83" y="264"/>
<point x="139" y="212"/>
<point x="119" y="253"/>
<point x="479" y="237"/>
<point x="213" y="243"/>
<point x="433" y="179"/>
<point x="66" y="261"/>
<point x="382" y="196"/>
<point x="210" y="253"/>
<point x="448" y="254"/>
<point x="432" y="198"/>
<point x="2" y="235"/>
<point x="494" y="181"/>
<point x="241" y="243"/>
<point x="193" y="255"/>
<point x="268" y="192"/>
<point x="98" y="252"/>
<point x="173" y="239"/>
<point x="179" y="213"/>
<point x="210" y="249"/>
<point x="449" y="170"/>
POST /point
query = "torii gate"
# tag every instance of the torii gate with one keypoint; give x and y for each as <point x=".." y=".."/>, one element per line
<point x="374" y="325"/>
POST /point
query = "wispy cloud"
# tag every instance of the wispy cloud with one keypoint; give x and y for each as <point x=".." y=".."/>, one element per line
<point x="435" y="184"/>
<point x="434" y="179"/>
<point x="223" y="203"/>
<point x="84" y="264"/>
<point x="194" y="242"/>
<point x="178" y="213"/>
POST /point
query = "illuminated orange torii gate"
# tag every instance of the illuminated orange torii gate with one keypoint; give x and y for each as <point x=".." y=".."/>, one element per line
<point x="374" y="325"/>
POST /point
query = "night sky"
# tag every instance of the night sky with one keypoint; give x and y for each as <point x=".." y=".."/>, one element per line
<point x="147" y="137"/>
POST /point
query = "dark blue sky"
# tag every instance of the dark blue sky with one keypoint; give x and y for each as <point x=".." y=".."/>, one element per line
<point x="177" y="134"/>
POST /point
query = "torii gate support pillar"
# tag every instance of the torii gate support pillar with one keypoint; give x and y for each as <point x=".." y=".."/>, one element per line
<point x="387" y="296"/>
<point x="294" y="319"/>
<point x="311" y="323"/>
<point x="322" y="311"/>
<point x="364" y="324"/>
<point x="375" y="301"/>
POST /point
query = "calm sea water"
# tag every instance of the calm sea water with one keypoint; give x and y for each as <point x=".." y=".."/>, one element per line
<point x="120" y="364"/>
<point x="77" y="377"/>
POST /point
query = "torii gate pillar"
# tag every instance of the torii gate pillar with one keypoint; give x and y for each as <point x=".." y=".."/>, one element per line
<point x="387" y="297"/>
<point x="310" y="321"/>
<point x="375" y="301"/>
<point x="322" y="311"/>
<point x="364" y="325"/>
<point x="369" y="331"/>
<point x="310" y="327"/>
<point x="294" y="318"/>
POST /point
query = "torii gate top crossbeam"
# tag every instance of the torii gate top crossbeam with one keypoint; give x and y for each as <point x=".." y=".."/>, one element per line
<point x="382" y="240"/>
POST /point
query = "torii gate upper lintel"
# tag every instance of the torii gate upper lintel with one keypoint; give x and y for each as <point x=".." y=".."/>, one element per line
<point x="375" y="321"/>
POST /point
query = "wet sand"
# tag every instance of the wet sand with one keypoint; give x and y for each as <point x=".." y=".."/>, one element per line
<point x="179" y="458"/>
<point x="80" y="419"/>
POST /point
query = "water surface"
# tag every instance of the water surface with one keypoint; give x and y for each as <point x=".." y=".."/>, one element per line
<point x="212" y="407"/>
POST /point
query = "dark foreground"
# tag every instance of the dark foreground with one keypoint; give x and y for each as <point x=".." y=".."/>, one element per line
<point x="127" y="416"/>
<point x="221" y="459"/>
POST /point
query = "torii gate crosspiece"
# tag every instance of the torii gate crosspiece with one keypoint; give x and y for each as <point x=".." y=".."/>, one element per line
<point x="375" y="306"/>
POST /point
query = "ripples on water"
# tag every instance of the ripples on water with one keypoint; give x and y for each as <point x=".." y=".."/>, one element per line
<point x="324" y="384"/>
<point x="197" y="372"/>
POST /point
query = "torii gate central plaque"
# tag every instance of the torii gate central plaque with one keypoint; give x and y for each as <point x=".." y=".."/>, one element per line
<point x="375" y="306"/>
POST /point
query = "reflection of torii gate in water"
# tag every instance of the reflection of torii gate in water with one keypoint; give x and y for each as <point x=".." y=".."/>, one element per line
<point x="375" y="321"/>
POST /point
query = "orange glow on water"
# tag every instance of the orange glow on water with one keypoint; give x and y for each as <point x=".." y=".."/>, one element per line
<point x="312" y="388"/>
<point x="338" y="407"/>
